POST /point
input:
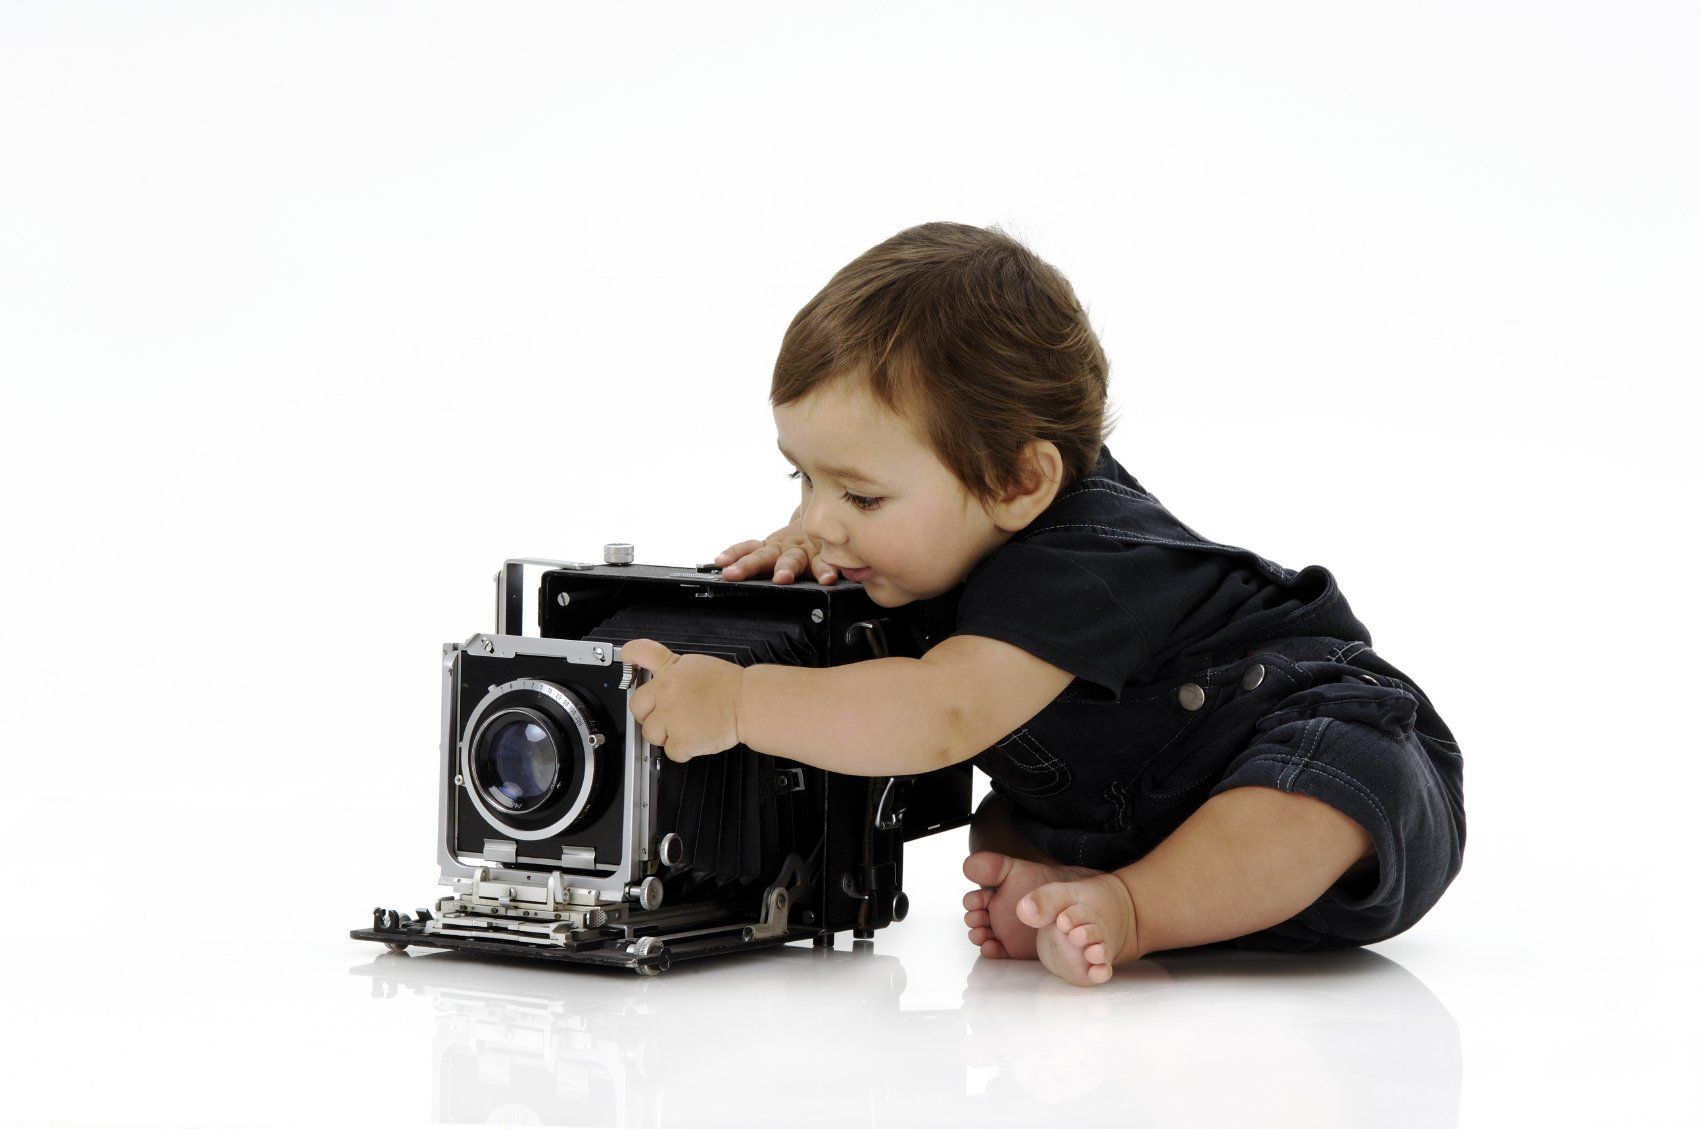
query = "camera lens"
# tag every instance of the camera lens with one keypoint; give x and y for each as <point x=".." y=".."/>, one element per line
<point x="517" y="760"/>
<point x="526" y="762"/>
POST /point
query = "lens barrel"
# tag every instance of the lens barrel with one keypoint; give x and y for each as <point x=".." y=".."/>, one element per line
<point x="529" y="758"/>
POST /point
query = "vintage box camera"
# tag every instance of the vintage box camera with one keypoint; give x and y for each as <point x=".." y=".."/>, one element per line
<point x="564" y="835"/>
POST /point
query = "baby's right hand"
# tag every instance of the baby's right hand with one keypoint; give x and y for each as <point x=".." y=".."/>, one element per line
<point x="787" y="553"/>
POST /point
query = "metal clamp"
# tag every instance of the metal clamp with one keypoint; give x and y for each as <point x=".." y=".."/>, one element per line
<point x="894" y="802"/>
<point x="873" y="632"/>
<point x="511" y="590"/>
<point x="777" y="902"/>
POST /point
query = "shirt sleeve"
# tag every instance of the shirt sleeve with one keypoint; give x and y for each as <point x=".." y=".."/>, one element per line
<point x="1056" y="608"/>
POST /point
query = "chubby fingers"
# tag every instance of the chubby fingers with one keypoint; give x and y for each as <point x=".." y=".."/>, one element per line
<point x="646" y="653"/>
<point x="792" y="562"/>
<point x="651" y="656"/>
<point x="748" y="558"/>
<point x="725" y="558"/>
<point x="785" y="565"/>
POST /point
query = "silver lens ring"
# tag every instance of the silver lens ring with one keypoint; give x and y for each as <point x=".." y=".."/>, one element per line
<point x="569" y="703"/>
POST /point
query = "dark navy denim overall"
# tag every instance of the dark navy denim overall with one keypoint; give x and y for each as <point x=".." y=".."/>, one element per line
<point x="1303" y="706"/>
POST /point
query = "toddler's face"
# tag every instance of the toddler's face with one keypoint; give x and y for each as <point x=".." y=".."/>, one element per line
<point x="876" y="497"/>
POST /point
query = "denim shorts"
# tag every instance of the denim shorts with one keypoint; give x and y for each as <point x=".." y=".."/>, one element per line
<point x="1319" y="716"/>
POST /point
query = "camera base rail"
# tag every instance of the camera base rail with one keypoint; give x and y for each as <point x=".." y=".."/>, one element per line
<point x="648" y="955"/>
<point x="493" y="917"/>
<point x="490" y="917"/>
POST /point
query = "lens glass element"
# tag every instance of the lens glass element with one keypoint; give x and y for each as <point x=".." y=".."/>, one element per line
<point x="525" y="761"/>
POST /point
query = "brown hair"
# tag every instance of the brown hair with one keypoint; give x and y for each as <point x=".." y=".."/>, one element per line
<point x="971" y="337"/>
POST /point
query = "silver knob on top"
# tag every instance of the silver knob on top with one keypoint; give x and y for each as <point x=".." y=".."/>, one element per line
<point x="617" y="553"/>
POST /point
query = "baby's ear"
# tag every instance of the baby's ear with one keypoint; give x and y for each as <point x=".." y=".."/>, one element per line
<point x="1039" y="475"/>
<point x="1041" y="468"/>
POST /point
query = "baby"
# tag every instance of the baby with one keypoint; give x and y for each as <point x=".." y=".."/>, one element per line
<point x="1187" y="743"/>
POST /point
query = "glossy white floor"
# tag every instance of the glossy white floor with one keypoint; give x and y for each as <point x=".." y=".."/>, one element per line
<point x="136" y="1008"/>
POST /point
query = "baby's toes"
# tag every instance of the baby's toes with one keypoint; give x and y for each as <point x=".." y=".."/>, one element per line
<point x="1047" y="905"/>
<point x="988" y="868"/>
<point x="976" y="917"/>
<point x="992" y="947"/>
<point x="1095" y="954"/>
<point x="976" y="899"/>
<point x="1075" y="917"/>
<point x="980" y="935"/>
<point x="1084" y="935"/>
<point x="1098" y="973"/>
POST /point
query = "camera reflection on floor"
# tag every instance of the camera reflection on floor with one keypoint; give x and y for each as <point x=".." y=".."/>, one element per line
<point x="1202" y="1037"/>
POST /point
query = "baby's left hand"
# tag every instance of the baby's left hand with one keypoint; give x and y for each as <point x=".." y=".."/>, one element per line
<point x="690" y="704"/>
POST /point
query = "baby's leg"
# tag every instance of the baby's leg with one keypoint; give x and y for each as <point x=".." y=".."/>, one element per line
<point x="1248" y="859"/>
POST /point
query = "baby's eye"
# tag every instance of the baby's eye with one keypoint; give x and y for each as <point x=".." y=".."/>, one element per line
<point x="856" y="500"/>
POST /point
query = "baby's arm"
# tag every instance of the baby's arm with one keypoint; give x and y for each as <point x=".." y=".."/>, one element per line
<point x="896" y="716"/>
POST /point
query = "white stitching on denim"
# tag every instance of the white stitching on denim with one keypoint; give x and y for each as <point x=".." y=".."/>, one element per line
<point x="1345" y="651"/>
<point x="1346" y="778"/>
<point x="1017" y="743"/>
<point x="1046" y="759"/>
<point x="1110" y="487"/>
<point x="1142" y="537"/>
<point x="1343" y="699"/>
<point x="1059" y="776"/>
<point x="1307" y="747"/>
<point x="1118" y="795"/>
<point x="1202" y="542"/>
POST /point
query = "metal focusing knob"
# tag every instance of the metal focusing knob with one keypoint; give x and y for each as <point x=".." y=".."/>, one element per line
<point x="647" y="893"/>
<point x="617" y="553"/>
<point x="672" y="849"/>
<point x="646" y="948"/>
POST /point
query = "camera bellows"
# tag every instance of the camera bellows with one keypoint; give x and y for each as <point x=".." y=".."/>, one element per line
<point x="739" y="813"/>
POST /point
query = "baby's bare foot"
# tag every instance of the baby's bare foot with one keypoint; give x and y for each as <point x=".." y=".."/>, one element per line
<point x="1081" y="926"/>
<point x="994" y="926"/>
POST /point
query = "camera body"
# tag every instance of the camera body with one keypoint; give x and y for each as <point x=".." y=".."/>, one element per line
<point x="564" y="835"/>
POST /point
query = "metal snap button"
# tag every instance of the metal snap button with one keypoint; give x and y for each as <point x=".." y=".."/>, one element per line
<point x="1192" y="697"/>
<point x="1253" y="676"/>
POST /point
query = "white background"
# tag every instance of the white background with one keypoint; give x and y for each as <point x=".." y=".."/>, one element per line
<point x="312" y="314"/>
